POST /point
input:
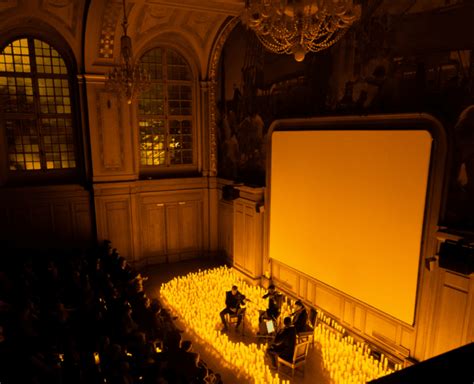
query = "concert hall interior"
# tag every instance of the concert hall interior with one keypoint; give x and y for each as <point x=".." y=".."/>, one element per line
<point x="316" y="154"/>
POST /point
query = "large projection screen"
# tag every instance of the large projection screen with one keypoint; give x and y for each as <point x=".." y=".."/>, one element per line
<point x="347" y="208"/>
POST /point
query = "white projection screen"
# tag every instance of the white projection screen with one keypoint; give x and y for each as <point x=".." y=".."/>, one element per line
<point x="347" y="208"/>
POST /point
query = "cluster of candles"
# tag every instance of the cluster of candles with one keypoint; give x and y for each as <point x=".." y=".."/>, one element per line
<point x="348" y="361"/>
<point x="198" y="298"/>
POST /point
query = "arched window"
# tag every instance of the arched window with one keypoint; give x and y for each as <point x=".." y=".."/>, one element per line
<point x="165" y="112"/>
<point x="36" y="110"/>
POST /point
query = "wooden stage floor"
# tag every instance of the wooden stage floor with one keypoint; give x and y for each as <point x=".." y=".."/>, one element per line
<point x="162" y="273"/>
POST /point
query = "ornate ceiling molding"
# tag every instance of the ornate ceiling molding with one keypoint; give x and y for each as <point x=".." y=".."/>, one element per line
<point x="227" y="7"/>
<point x="65" y="12"/>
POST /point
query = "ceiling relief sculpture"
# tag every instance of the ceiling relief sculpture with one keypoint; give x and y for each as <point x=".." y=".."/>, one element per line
<point x="152" y="16"/>
<point x="202" y="25"/>
<point x="199" y="26"/>
<point x="65" y="11"/>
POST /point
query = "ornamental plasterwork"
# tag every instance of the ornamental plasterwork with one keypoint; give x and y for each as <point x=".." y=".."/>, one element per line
<point x="202" y="25"/>
<point x="110" y="18"/>
<point x="152" y="16"/>
<point x="65" y="11"/>
<point x="212" y="76"/>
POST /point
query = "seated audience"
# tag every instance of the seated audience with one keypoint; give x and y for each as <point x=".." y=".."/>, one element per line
<point x="85" y="318"/>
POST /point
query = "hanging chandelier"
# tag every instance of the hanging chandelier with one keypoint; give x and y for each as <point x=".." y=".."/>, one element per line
<point x="299" y="26"/>
<point x="127" y="78"/>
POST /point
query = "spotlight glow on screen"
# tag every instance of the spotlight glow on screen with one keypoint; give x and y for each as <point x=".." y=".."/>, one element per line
<point x="347" y="208"/>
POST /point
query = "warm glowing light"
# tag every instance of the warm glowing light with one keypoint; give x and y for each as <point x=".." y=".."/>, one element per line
<point x="352" y="216"/>
<point x="197" y="299"/>
<point x="297" y="27"/>
<point x="347" y="360"/>
<point x="127" y="78"/>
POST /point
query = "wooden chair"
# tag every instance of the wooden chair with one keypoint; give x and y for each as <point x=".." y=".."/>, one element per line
<point x="233" y="318"/>
<point x="299" y="358"/>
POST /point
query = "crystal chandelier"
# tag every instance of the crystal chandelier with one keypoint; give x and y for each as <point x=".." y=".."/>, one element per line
<point x="127" y="78"/>
<point x="299" y="26"/>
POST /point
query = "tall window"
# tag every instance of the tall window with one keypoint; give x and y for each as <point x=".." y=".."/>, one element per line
<point x="165" y="111"/>
<point x="36" y="108"/>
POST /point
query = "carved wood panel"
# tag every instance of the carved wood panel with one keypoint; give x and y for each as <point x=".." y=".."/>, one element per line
<point x="153" y="229"/>
<point x="451" y="312"/>
<point x="46" y="218"/>
<point x="226" y="229"/>
<point x="117" y="227"/>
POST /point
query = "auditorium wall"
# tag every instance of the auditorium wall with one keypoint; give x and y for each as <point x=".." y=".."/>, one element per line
<point x="166" y="219"/>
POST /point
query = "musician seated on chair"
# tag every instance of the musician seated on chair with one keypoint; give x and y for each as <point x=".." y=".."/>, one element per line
<point x="284" y="343"/>
<point x="300" y="318"/>
<point x="274" y="307"/>
<point x="234" y="306"/>
<point x="274" y="304"/>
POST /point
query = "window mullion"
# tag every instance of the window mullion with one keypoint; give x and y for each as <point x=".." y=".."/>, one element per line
<point x="37" y="106"/>
<point x="166" y="108"/>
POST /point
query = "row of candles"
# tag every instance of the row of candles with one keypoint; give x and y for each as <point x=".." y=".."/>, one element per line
<point x="197" y="299"/>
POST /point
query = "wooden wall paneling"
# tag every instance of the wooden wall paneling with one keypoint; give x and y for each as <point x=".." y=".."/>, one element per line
<point x="171" y="225"/>
<point x="213" y="209"/>
<point x="407" y="339"/>
<point x="311" y="290"/>
<point x="248" y="232"/>
<point x="115" y="223"/>
<point x="226" y="229"/>
<point x="381" y="328"/>
<point x="63" y="220"/>
<point x="470" y="319"/>
<point x="153" y="229"/>
<point x="329" y="301"/>
<point x="449" y="322"/>
<point x="42" y="221"/>
<point x="289" y="279"/>
<point x="303" y="288"/>
<point x="191" y="225"/>
<point x="240" y="246"/>
<point x="172" y="230"/>
<point x="251" y="252"/>
<point x="45" y="216"/>
<point x="348" y="313"/>
<point x="359" y="318"/>
<point x="82" y="221"/>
